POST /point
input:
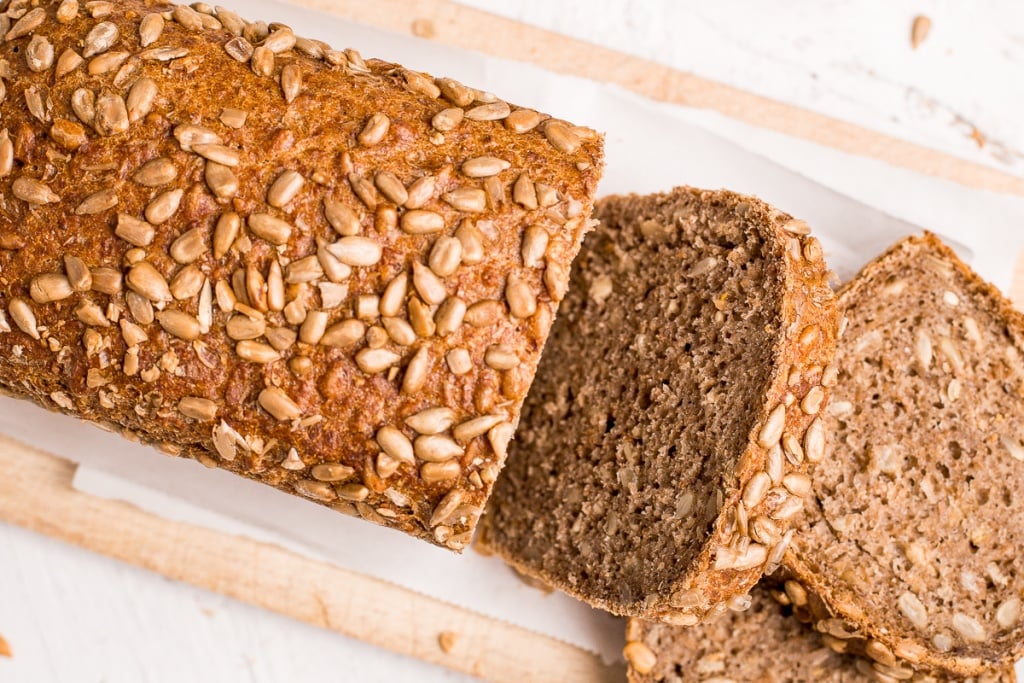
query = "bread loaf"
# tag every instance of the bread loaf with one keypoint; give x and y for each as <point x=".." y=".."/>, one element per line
<point x="763" y="644"/>
<point x="661" y="451"/>
<point x="330" y="275"/>
<point x="911" y="545"/>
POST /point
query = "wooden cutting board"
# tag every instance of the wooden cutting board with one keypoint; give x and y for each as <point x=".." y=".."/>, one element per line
<point x="36" y="490"/>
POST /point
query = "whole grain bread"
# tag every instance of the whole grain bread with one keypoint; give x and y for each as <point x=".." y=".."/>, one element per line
<point x="763" y="644"/>
<point x="661" y="451"/>
<point x="911" y="546"/>
<point x="328" y="274"/>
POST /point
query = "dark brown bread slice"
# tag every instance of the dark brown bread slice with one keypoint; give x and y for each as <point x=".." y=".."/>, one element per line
<point x="331" y="275"/>
<point x="764" y="644"/>
<point x="657" y="461"/>
<point x="911" y="546"/>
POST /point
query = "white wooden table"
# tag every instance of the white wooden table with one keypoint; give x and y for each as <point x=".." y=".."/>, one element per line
<point x="69" y="615"/>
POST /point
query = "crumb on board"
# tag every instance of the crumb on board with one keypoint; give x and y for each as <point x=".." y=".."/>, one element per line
<point x="5" y="648"/>
<point x="978" y="137"/>
<point x="424" y="28"/>
<point x="919" y="30"/>
<point x="446" y="640"/>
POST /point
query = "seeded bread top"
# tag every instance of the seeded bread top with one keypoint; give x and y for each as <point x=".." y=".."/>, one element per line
<point x="763" y="644"/>
<point x="331" y="275"/>
<point x="912" y="543"/>
<point x="661" y="449"/>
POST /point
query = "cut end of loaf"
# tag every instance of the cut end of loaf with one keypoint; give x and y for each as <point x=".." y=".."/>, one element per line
<point x="914" y="538"/>
<point x="661" y="393"/>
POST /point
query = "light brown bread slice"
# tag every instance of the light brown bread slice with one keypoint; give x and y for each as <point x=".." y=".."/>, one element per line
<point x="913" y="537"/>
<point x="655" y="466"/>
<point x="764" y="644"/>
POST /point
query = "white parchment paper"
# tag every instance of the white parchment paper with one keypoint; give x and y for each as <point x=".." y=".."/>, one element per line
<point x="650" y="147"/>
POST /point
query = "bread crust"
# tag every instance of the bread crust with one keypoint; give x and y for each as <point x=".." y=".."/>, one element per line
<point x="255" y="251"/>
<point x="832" y="603"/>
<point x="730" y="561"/>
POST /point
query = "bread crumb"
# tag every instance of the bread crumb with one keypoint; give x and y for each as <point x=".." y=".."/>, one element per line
<point x="919" y="31"/>
<point x="977" y="136"/>
<point x="447" y="640"/>
<point x="424" y="28"/>
<point x="5" y="648"/>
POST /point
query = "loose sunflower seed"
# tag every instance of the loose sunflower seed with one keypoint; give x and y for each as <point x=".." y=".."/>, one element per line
<point x="78" y="274"/>
<point x="221" y="154"/>
<point x="393" y="298"/>
<point x="356" y="251"/>
<point x="163" y="54"/>
<point x="291" y="82"/>
<point x="314" y="327"/>
<point x="39" y="54"/>
<point x="306" y="269"/>
<point x="421" y="222"/>
<point x="156" y="172"/>
<point x="164" y="206"/>
<point x="107" y="62"/>
<point x="467" y="199"/>
<point x="342" y="218"/>
<point x="28" y="23"/>
<point x="150" y="28"/>
<point x="400" y="331"/>
<point x="276" y="402"/>
<point x="344" y="334"/>
<point x="233" y="118"/>
<point x="373" y="361"/>
<point x="146" y="280"/>
<point x="485" y="313"/>
<point x="524" y="192"/>
<point x="179" y="324"/>
<point x="332" y="472"/>
<point x="535" y="245"/>
<point x="436" y="448"/>
<point x="67" y="11"/>
<point x="449" y="316"/>
<point x="561" y="136"/>
<point x="189" y="135"/>
<point x="140" y="308"/>
<point x="242" y="327"/>
<point x="523" y="120"/>
<point x="187" y="283"/>
<point x="189" y="246"/>
<point x="221" y="180"/>
<point x="34" y="192"/>
<point x="24" y="317"/>
<point x="226" y="232"/>
<point x="430" y="288"/>
<point x="420" y="192"/>
<point x="50" y="287"/>
<point x="285" y="188"/>
<point x="495" y="111"/>
<point x="106" y="280"/>
<point x="98" y="202"/>
<point x="391" y="187"/>
<point x="270" y="228"/>
<point x="484" y="167"/>
<point x="478" y="426"/>
<point x="501" y="357"/>
<point x="134" y="231"/>
<point x="111" y="115"/>
<point x="91" y="314"/>
<point x="448" y="119"/>
<point x="445" y="256"/>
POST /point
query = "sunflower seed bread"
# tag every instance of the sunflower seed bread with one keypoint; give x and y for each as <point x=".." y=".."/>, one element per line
<point x="763" y="644"/>
<point x="911" y="544"/>
<point x="662" y="449"/>
<point x="330" y="275"/>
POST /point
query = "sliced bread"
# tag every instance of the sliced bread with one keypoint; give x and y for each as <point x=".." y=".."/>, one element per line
<point x="911" y="544"/>
<point x="764" y="644"/>
<point x="660" y="452"/>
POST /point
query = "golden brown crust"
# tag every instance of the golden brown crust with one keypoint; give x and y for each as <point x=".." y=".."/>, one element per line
<point x="161" y="166"/>
<point x="834" y="604"/>
<point x="744" y="539"/>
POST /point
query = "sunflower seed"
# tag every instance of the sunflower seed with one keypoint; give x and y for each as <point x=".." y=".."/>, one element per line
<point x="485" y="313"/>
<point x="342" y="218"/>
<point x="134" y="231"/>
<point x="163" y="54"/>
<point x="132" y="333"/>
<point x="431" y="420"/>
<point x="499" y="436"/>
<point x="106" y="280"/>
<point x="221" y="154"/>
<point x="435" y="472"/>
<point x="276" y="402"/>
<point x="524" y="192"/>
<point x="436" y="448"/>
<point x="535" y="245"/>
<point x="281" y="40"/>
<point x="420" y="192"/>
<point x="37" y="105"/>
<point x="430" y="288"/>
<point x="29" y="22"/>
<point x="67" y="11"/>
<point x="332" y="472"/>
<point x="561" y="136"/>
<point x="285" y="188"/>
<point x="356" y="251"/>
<point x="111" y="114"/>
<point x="484" y="167"/>
<point x="393" y="298"/>
<point x="813" y="400"/>
<point x="33" y="191"/>
<point x="189" y="247"/>
<point x="969" y="628"/>
<point x="420" y="83"/>
<point x="814" y="441"/>
<point x="23" y="316"/>
<point x="522" y="302"/>
<point x="6" y="155"/>
<point x="472" y="242"/>
<point x="291" y="82"/>
<point x="202" y="409"/>
<point x="446" y="256"/>
<point x="156" y="172"/>
<point x="187" y="283"/>
<point x="400" y="331"/>
<point x="78" y="274"/>
<point x="797" y="484"/>
<point x="256" y="352"/>
<point x="146" y="280"/>
<point x="50" y="287"/>
<point x="150" y="28"/>
<point x="242" y="327"/>
<point x="39" y="54"/>
<point x="179" y="324"/>
<point x="106" y="63"/>
<point x="306" y="269"/>
<point x="270" y="228"/>
<point x="141" y="98"/>
<point x="314" y="327"/>
<point x="391" y="187"/>
<point x="421" y="222"/>
<point x="522" y="120"/>
<point x="344" y="334"/>
<point x="495" y="111"/>
<point x="233" y="118"/>
<point x="396" y="444"/>
<point x="91" y="314"/>
<point x="140" y="308"/>
<point x="755" y="490"/>
<point x="83" y="103"/>
<point x="97" y="202"/>
<point x="416" y="372"/>
<point x="448" y="119"/>
<point x="221" y="180"/>
<point x="189" y="135"/>
<point x="372" y="361"/>
<point x="225" y="234"/>
<point x="501" y="357"/>
<point x="449" y="316"/>
<point x="771" y="431"/>
<point x="162" y="208"/>
<point x="374" y="131"/>
<point x="1008" y="613"/>
<point x="467" y="199"/>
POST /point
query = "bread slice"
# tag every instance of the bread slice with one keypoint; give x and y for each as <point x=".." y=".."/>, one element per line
<point x="912" y="542"/>
<point x="658" y="458"/>
<point x="763" y="644"/>
<point x="328" y="274"/>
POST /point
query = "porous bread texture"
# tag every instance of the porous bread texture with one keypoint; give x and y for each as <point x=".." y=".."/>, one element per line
<point x="328" y="274"/>
<point x="660" y="452"/>
<point x="912" y="542"/>
<point x="764" y="644"/>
